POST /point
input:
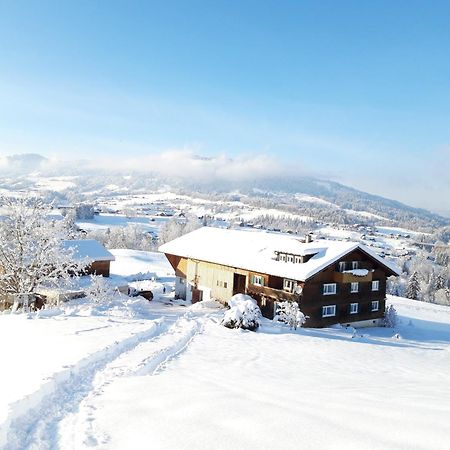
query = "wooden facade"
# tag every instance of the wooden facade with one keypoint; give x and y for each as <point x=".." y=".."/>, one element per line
<point x="202" y="280"/>
<point x="98" y="268"/>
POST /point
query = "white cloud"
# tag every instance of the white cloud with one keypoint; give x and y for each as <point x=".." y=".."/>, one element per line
<point x="186" y="164"/>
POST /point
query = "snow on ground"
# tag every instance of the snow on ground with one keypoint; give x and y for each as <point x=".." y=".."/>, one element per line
<point x="131" y="262"/>
<point x="366" y="214"/>
<point x="104" y="221"/>
<point x="399" y="231"/>
<point x="59" y="184"/>
<point x="173" y="377"/>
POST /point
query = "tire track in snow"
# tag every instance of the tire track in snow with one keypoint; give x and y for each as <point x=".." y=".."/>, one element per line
<point x="64" y="402"/>
<point x="28" y="416"/>
<point x="78" y="430"/>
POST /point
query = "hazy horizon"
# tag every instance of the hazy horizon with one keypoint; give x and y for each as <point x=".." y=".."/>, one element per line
<point x="348" y="91"/>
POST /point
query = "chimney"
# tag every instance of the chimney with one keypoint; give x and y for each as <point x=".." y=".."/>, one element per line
<point x="308" y="238"/>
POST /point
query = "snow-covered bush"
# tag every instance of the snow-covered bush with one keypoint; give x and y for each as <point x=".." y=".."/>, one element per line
<point x="99" y="290"/>
<point x="244" y="313"/>
<point x="290" y="314"/>
<point x="390" y="317"/>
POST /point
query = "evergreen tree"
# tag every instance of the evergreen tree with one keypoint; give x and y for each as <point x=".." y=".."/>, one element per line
<point x="413" y="289"/>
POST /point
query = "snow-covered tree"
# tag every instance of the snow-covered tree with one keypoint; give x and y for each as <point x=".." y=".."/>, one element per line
<point x="99" y="290"/>
<point x="84" y="211"/>
<point x="31" y="250"/>
<point x="290" y="314"/>
<point x="244" y="313"/>
<point x="390" y="317"/>
<point x="413" y="288"/>
<point x="177" y="227"/>
<point x="442" y="296"/>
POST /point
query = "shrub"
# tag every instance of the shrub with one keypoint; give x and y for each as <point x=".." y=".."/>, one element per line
<point x="289" y="313"/>
<point x="243" y="313"/>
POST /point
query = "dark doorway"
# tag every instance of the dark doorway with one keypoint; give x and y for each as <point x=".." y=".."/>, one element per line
<point x="197" y="295"/>
<point x="239" y="284"/>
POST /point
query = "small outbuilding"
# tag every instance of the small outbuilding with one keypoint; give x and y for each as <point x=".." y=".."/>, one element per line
<point x="97" y="256"/>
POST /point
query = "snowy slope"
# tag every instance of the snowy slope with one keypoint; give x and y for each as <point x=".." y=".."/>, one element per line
<point x="174" y="378"/>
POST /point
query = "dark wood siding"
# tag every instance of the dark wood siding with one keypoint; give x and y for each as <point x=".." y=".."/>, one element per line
<point x="313" y="299"/>
<point x="99" y="268"/>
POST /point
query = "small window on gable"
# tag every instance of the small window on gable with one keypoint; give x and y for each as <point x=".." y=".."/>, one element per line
<point x="355" y="264"/>
<point x="342" y="266"/>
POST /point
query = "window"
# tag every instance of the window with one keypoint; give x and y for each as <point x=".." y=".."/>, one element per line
<point x="354" y="287"/>
<point x="225" y="284"/>
<point x="342" y="266"/>
<point x="263" y="301"/>
<point x="290" y="258"/>
<point x="353" y="308"/>
<point x="375" y="305"/>
<point x="375" y="285"/>
<point x="298" y="260"/>
<point x="257" y="280"/>
<point x="355" y="264"/>
<point x="283" y="257"/>
<point x="329" y="311"/>
<point x="329" y="289"/>
<point x="289" y="285"/>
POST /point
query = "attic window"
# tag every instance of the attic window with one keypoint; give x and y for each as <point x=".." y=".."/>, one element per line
<point x="291" y="258"/>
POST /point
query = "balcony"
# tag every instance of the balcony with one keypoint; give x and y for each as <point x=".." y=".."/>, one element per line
<point x="349" y="277"/>
<point x="275" y="294"/>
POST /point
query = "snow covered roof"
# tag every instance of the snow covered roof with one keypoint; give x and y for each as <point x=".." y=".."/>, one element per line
<point x="89" y="249"/>
<point x="255" y="251"/>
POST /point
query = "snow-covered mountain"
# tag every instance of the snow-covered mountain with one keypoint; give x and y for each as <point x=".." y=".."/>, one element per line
<point x="321" y="199"/>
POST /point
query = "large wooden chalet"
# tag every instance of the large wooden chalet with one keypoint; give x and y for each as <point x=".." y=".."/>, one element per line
<point x="333" y="281"/>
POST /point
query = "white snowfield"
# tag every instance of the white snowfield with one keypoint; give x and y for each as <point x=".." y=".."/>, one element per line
<point x="146" y="375"/>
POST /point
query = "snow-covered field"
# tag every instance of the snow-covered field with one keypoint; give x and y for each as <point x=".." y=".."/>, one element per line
<point x="148" y="375"/>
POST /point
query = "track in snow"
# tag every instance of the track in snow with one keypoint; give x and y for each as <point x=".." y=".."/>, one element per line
<point x="64" y="402"/>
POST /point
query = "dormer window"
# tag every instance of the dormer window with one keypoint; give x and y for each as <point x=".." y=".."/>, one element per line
<point x="291" y="258"/>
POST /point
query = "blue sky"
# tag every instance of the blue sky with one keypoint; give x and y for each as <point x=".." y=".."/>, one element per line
<point x="353" y="90"/>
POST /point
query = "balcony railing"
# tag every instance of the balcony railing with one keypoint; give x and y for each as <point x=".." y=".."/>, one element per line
<point x="348" y="277"/>
<point x="276" y="294"/>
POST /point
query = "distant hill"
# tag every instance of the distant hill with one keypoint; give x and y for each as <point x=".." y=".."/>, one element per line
<point x="323" y="200"/>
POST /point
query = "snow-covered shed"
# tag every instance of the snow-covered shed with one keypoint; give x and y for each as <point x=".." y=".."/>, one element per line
<point x="333" y="280"/>
<point x="98" y="258"/>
